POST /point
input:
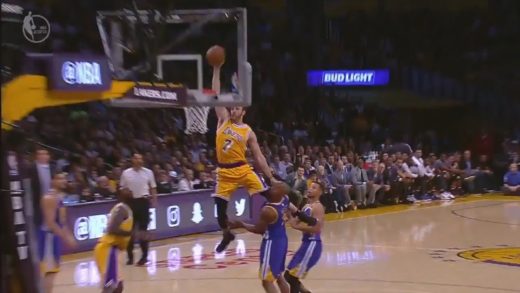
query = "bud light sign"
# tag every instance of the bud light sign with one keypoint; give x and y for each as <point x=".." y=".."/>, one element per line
<point x="79" y="72"/>
<point x="377" y="77"/>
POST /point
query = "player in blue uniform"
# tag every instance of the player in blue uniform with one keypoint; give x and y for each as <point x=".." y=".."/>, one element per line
<point x="274" y="242"/>
<point x="53" y="231"/>
<point x="309" y="252"/>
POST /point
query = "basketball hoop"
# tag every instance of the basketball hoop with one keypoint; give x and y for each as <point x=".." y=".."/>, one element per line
<point x="196" y="119"/>
<point x="197" y="116"/>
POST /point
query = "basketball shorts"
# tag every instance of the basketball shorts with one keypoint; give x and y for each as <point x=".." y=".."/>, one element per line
<point x="272" y="259"/>
<point x="49" y="249"/>
<point x="230" y="179"/>
<point x="305" y="258"/>
<point x="105" y="256"/>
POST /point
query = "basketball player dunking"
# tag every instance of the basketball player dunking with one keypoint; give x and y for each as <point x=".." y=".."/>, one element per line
<point x="233" y="138"/>
<point x="309" y="252"/>
<point x="53" y="230"/>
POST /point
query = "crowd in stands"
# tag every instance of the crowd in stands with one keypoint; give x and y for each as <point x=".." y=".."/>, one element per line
<point x="99" y="141"/>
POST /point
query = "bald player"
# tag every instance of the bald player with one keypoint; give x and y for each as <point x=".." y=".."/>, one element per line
<point x="273" y="249"/>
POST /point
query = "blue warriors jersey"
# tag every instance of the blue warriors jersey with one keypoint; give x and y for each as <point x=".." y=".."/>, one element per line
<point x="49" y="245"/>
<point x="277" y="229"/>
<point x="309" y="253"/>
<point x="273" y="249"/>
<point x="307" y="209"/>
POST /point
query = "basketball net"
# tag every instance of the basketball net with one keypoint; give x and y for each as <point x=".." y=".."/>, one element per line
<point x="196" y="119"/>
<point x="197" y="116"/>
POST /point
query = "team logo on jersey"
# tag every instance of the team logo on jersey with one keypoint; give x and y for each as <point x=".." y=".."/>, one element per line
<point x="232" y="133"/>
<point x="500" y="255"/>
<point x="197" y="213"/>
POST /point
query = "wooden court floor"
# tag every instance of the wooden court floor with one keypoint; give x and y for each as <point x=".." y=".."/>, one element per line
<point x="468" y="245"/>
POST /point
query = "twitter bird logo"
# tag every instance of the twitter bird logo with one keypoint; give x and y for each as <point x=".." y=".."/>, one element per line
<point x="240" y="206"/>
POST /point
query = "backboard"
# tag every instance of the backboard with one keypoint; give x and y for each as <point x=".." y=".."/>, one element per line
<point x="161" y="48"/>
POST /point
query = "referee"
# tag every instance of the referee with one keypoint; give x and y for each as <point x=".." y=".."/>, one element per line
<point x="140" y="183"/>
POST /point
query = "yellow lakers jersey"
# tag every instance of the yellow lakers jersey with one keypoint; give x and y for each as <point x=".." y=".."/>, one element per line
<point x="120" y="241"/>
<point x="232" y="142"/>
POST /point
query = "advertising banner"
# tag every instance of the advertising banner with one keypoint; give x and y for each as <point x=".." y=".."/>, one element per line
<point x="170" y="94"/>
<point x="371" y="77"/>
<point x="77" y="72"/>
<point x="175" y="214"/>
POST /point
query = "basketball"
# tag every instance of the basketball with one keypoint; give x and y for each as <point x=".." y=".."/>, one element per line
<point x="216" y="55"/>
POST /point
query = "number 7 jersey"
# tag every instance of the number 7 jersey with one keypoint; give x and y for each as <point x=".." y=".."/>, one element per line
<point x="231" y="143"/>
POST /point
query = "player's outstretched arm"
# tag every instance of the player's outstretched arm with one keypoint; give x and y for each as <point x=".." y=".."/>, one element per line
<point x="311" y="221"/>
<point x="222" y="112"/>
<point x="268" y="216"/>
<point x="259" y="157"/>
<point x="318" y="213"/>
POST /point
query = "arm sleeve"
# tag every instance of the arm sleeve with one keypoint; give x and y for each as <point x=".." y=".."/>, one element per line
<point x="306" y="219"/>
